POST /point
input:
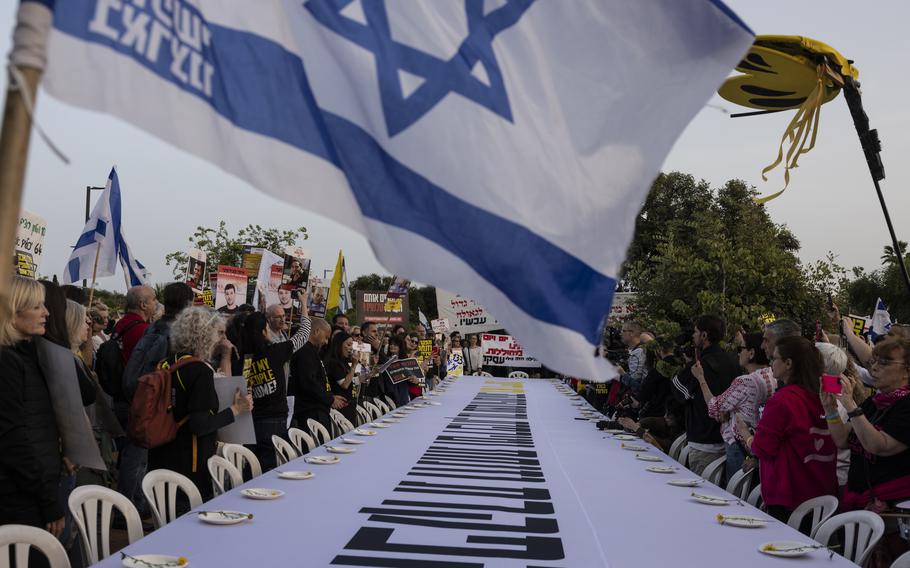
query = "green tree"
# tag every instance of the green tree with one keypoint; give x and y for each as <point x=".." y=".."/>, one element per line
<point x="863" y="290"/>
<point x="697" y="250"/>
<point x="221" y="247"/>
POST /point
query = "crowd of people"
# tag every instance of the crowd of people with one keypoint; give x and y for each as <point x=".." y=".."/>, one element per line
<point x="824" y="417"/>
<point x="314" y="361"/>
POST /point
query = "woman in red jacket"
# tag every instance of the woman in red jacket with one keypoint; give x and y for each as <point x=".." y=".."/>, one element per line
<point x="795" y="451"/>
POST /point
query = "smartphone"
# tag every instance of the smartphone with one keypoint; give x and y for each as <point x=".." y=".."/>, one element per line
<point x="831" y="384"/>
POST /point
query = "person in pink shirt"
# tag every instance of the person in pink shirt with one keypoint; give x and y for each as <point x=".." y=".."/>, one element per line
<point x="796" y="454"/>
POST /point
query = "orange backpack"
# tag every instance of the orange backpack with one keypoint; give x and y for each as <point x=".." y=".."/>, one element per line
<point x="152" y="422"/>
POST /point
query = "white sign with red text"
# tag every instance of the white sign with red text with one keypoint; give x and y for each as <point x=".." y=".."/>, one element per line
<point x="505" y="351"/>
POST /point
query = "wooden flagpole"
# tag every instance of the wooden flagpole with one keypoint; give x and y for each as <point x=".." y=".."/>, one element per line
<point x="91" y="292"/>
<point x="14" y="140"/>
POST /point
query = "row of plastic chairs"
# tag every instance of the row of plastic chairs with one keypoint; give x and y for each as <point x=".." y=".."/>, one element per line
<point x="512" y="375"/>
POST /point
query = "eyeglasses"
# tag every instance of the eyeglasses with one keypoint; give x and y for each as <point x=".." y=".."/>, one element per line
<point x="884" y="362"/>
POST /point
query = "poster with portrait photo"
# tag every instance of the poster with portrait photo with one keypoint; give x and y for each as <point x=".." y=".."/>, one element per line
<point x="398" y="288"/>
<point x="230" y="291"/>
<point x="196" y="277"/>
<point x="319" y="294"/>
<point x="296" y="268"/>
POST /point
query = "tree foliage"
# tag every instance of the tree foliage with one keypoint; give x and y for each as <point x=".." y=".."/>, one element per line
<point x="221" y="247"/>
<point x="863" y="290"/>
<point x="423" y="298"/>
<point x="703" y="251"/>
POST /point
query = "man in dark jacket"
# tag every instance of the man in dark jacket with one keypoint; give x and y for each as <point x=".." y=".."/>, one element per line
<point x="311" y="387"/>
<point x="702" y="431"/>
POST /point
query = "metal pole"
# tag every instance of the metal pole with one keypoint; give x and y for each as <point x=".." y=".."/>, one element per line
<point x="88" y="203"/>
<point x="871" y="145"/>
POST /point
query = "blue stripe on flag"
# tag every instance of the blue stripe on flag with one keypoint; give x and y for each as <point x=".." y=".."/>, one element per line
<point x="73" y="268"/>
<point x="565" y="291"/>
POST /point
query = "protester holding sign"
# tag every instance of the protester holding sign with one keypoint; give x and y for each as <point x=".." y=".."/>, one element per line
<point x="312" y="389"/>
<point x="263" y="368"/>
<point x="341" y="369"/>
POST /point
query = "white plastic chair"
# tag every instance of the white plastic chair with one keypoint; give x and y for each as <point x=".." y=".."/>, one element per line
<point x="284" y="451"/>
<point x="518" y="375"/>
<point x="339" y="419"/>
<point x="224" y="475"/>
<point x="714" y="471"/>
<point x="381" y="406"/>
<point x="91" y="508"/>
<point x="239" y="456"/>
<point x="320" y="434"/>
<point x="740" y="484"/>
<point x="903" y="561"/>
<point x="683" y="457"/>
<point x="389" y="402"/>
<point x="303" y="443"/>
<point x="677" y="446"/>
<point x="372" y="409"/>
<point x="754" y="497"/>
<point x="862" y="531"/>
<point x="363" y="414"/>
<point x="23" y="538"/>
<point x="160" y="489"/>
<point x="821" y="508"/>
<point x="485" y="374"/>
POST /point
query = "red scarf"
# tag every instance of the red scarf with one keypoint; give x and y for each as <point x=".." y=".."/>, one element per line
<point x="883" y="400"/>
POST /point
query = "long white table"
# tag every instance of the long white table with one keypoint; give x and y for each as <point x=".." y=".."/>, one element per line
<point x="500" y="474"/>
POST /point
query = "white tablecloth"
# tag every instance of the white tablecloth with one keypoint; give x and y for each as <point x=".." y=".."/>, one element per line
<point x="372" y="509"/>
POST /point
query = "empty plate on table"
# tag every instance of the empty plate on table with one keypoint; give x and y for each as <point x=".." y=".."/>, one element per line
<point x="262" y="493"/>
<point x="624" y="437"/>
<point x="661" y="469"/>
<point x="744" y="521"/>
<point x="391" y="420"/>
<point x="647" y="458"/>
<point x="354" y="441"/>
<point x="686" y="482"/>
<point x="324" y="460"/>
<point x="633" y="447"/>
<point x="154" y="561"/>
<point x="613" y="431"/>
<point x="362" y="432"/>
<point x="710" y="500"/>
<point x="340" y="449"/>
<point x="788" y="548"/>
<point x="400" y="414"/>
<point x="295" y="474"/>
<point x="434" y="403"/>
<point x="379" y="425"/>
<point x="223" y="517"/>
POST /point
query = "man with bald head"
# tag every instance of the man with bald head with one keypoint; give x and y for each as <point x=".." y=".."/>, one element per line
<point x="311" y="387"/>
<point x="277" y="327"/>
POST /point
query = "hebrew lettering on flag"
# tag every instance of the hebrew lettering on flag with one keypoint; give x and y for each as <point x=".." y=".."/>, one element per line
<point x="501" y="149"/>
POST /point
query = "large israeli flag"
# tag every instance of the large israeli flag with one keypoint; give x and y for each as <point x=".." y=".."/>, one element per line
<point x="498" y="148"/>
<point x="103" y="237"/>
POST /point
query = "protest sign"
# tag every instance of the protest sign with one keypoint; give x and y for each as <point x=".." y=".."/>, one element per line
<point x="250" y="260"/>
<point x="425" y="348"/>
<point x="362" y="352"/>
<point x="624" y="304"/>
<point x="29" y="244"/>
<point x="296" y="268"/>
<point x="268" y="279"/>
<point x="464" y="315"/>
<point x="455" y="363"/>
<point x="374" y="306"/>
<point x="319" y="292"/>
<point x="205" y="298"/>
<point x="230" y="288"/>
<point x="195" y="270"/>
<point x="403" y="369"/>
<point x="398" y="288"/>
<point x="505" y="351"/>
<point x="241" y="430"/>
<point x="440" y="325"/>
<point x="861" y="324"/>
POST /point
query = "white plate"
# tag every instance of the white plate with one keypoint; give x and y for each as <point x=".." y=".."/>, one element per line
<point x="156" y="560"/>
<point x="434" y="403"/>
<point x="391" y="420"/>
<point x="340" y="449"/>
<point x="258" y="493"/>
<point x="379" y="425"/>
<point x="788" y="548"/>
<point x="633" y="447"/>
<point x="296" y="474"/>
<point x="647" y="458"/>
<point x="223" y="517"/>
<point x="578" y="403"/>
<point x="400" y="414"/>
<point x="661" y="469"/>
<point x="362" y="432"/>
<point x="686" y="482"/>
<point x="624" y="437"/>
<point x="323" y="460"/>
<point x="613" y="431"/>
<point x="743" y="521"/>
<point x="709" y="500"/>
<point x="354" y="441"/>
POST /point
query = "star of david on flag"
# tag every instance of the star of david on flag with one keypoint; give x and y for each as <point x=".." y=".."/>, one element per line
<point x="500" y="149"/>
<point x="472" y="72"/>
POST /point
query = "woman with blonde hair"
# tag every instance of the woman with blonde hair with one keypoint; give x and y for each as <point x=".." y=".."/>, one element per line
<point x="30" y="458"/>
<point x="838" y="363"/>
<point x="194" y="334"/>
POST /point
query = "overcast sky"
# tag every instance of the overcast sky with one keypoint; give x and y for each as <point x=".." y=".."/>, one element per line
<point x="830" y="205"/>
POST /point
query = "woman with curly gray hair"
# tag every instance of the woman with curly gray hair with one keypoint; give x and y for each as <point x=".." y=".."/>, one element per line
<point x="194" y="336"/>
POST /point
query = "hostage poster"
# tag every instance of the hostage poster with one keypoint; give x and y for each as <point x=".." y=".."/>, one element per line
<point x="464" y="315"/>
<point x="505" y="351"/>
<point x="230" y="290"/>
<point x="29" y="244"/>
